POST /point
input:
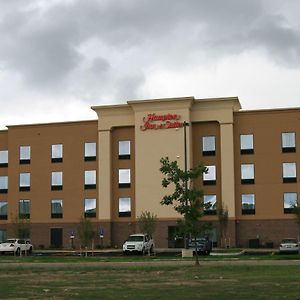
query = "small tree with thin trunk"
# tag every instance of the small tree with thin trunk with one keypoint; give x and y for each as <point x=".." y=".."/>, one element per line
<point x="86" y="232"/>
<point x="296" y="211"/>
<point x="223" y="222"/>
<point x="21" y="227"/>
<point x="147" y="223"/>
<point x="186" y="198"/>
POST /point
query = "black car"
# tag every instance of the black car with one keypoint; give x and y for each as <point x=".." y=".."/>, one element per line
<point x="204" y="245"/>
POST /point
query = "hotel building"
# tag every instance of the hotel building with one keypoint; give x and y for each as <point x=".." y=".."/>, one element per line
<point x="108" y="171"/>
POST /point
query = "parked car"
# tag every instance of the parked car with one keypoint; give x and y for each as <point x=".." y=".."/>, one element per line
<point x="204" y="245"/>
<point x="138" y="243"/>
<point x="289" y="245"/>
<point x="16" y="246"/>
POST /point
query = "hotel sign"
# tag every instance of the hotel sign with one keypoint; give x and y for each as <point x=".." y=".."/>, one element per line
<point x="166" y="121"/>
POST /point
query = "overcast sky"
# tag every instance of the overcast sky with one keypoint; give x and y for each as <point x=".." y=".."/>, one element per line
<point x="59" y="57"/>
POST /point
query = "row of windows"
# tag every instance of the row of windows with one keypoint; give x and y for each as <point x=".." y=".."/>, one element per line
<point x="289" y="174"/>
<point x="56" y="154"/>
<point x="57" y="208"/>
<point x="56" y="181"/>
<point x="248" y="203"/>
<point x="288" y="143"/>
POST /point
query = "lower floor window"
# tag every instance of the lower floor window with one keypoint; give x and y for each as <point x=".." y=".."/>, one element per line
<point x="56" y="208"/>
<point x="2" y="235"/>
<point x="90" y="208"/>
<point x="210" y="204"/>
<point x="289" y="202"/>
<point x="3" y="210"/>
<point x="248" y="204"/>
<point x="124" y="207"/>
<point x="24" y="209"/>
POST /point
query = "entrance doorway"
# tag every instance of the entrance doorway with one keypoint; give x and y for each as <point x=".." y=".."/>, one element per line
<point x="56" y="237"/>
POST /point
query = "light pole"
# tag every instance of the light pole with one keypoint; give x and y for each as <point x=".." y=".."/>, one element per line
<point x="185" y="124"/>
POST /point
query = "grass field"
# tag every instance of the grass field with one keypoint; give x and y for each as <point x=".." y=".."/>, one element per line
<point x="119" y="281"/>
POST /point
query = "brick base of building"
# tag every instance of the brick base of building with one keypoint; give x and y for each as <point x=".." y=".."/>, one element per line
<point x="262" y="233"/>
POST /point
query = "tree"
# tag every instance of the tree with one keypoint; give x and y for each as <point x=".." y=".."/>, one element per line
<point x="86" y="232"/>
<point x="147" y="223"/>
<point x="296" y="211"/>
<point x="223" y="222"/>
<point x="21" y="227"/>
<point x="186" y="198"/>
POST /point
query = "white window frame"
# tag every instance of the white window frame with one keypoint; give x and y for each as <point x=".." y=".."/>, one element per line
<point x="289" y="171"/>
<point x="25" y="152"/>
<point x="288" y="140"/>
<point x="288" y="207"/>
<point x="124" y="207"/>
<point x="90" y="150"/>
<point x="247" y="172"/>
<point x="88" y="206"/>
<point x="124" y="149"/>
<point x="246" y="142"/>
<point x="124" y="177"/>
<point x="3" y="182"/>
<point x="211" y="175"/>
<point x="212" y="199"/>
<point x="57" y="152"/>
<point x="24" y="180"/>
<point x="3" y="157"/>
<point x="209" y="144"/>
<point x="249" y="201"/>
<point x="56" y="178"/>
<point x="90" y="178"/>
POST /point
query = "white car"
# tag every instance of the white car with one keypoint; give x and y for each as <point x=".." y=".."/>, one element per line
<point x="16" y="246"/>
<point x="138" y="243"/>
<point x="289" y="245"/>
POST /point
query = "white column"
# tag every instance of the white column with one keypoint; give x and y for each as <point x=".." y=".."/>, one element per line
<point x="104" y="175"/>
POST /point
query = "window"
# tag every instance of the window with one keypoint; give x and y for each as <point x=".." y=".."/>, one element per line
<point x="124" y="149"/>
<point x="209" y="178"/>
<point x="124" y="207"/>
<point x="288" y="141"/>
<point x="57" y="153"/>
<point x="24" y="182"/>
<point x="246" y="142"/>
<point x="3" y="184"/>
<point x="90" y="208"/>
<point x="3" y="158"/>
<point x="289" y="172"/>
<point x="24" y="154"/>
<point x="56" y="208"/>
<point x="248" y="204"/>
<point x="208" y="145"/>
<point x="289" y="202"/>
<point x="247" y="173"/>
<point x="210" y="204"/>
<point x="24" y="209"/>
<point x="89" y="151"/>
<point x="90" y="179"/>
<point x="56" y="181"/>
<point x="2" y="235"/>
<point x="124" y="178"/>
<point x="3" y="210"/>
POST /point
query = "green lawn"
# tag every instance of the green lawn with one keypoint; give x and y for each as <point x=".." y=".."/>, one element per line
<point x="151" y="282"/>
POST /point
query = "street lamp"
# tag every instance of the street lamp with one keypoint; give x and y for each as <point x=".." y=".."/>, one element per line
<point x="185" y="124"/>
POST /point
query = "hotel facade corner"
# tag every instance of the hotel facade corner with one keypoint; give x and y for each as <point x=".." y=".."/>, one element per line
<point x="107" y="170"/>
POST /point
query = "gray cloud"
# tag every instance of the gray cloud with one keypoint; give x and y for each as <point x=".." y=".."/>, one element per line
<point x="96" y="49"/>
